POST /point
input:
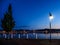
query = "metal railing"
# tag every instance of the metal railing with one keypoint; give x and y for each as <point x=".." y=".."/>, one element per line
<point x="29" y="35"/>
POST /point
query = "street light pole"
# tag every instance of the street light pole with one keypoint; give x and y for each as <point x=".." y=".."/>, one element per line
<point x="50" y="17"/>
<point x="50" y="30"/>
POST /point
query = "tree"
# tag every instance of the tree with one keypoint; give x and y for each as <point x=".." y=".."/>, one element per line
<point x="7" y="22"/>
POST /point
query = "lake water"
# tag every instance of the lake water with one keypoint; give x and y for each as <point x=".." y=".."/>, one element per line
<point x="32" y="36"/>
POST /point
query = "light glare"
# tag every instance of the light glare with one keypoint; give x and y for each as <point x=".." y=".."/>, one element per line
<point x="51" y="17"/>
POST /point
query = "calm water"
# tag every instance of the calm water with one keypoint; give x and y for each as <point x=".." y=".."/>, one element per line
<point x="32" y="36"/>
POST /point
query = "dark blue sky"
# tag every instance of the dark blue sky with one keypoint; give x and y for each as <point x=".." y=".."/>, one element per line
<point x="32" y="13"/>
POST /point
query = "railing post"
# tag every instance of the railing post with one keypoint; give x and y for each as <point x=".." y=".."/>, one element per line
<point x="27" y="36"/>
<point x="19" y="36"/>
<point x="46" y="33"/>
<point x="12" y="36"/>
<point x="36" y="36"/>
<point x="8" y="35"/>
<point x="5" y="35"/>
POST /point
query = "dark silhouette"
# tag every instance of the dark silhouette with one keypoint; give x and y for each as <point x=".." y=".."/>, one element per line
<point x="7" y="22"/>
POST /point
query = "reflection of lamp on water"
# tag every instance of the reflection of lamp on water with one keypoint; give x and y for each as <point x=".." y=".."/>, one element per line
<point x="50" y="17"/>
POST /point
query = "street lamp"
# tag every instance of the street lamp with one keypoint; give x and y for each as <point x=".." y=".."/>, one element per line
<point x="51" y="18"/>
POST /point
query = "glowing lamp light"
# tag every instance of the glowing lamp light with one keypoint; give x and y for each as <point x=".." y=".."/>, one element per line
<point x="51" y="16"/>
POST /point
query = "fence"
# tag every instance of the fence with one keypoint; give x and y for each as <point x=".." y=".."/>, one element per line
<point x="22" y="34"/>
<point x="30" y="36"/>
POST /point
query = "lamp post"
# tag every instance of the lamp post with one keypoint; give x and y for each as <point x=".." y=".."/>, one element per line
<point x="50" y="17"/>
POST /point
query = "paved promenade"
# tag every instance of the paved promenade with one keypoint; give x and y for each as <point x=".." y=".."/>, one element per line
<point x="29" y="42"/>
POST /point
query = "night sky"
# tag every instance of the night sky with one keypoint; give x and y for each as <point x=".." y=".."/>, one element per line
<point x="32" y="14"/>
